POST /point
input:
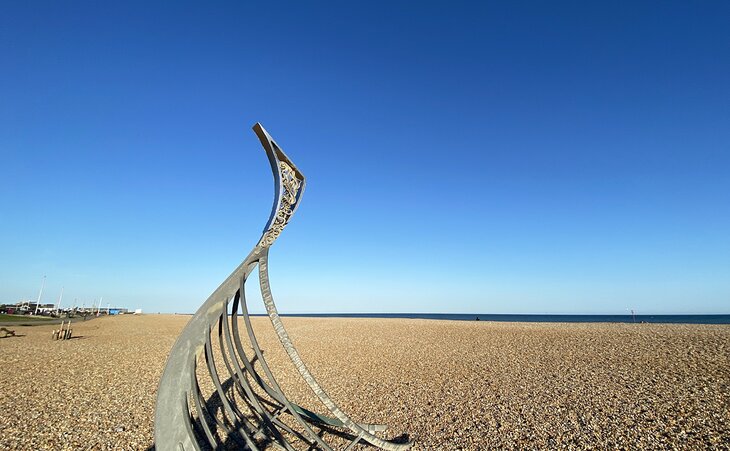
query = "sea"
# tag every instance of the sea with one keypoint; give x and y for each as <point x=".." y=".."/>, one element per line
<point x="534" y="318"/>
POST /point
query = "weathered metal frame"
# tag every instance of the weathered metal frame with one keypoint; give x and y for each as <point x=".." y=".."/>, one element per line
<point x="180" y="425"/>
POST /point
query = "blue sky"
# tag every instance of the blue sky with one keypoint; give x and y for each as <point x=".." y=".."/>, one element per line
<point x="523" y="157"/>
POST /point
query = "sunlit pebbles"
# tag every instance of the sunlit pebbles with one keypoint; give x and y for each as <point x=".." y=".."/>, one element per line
<point x="447" y="384"/>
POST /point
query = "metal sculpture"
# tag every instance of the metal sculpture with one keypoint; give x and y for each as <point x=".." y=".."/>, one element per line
<point x="184" y="421"/>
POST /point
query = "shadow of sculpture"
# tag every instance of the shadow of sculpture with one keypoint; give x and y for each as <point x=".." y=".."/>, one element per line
<point x="230" y="438"/>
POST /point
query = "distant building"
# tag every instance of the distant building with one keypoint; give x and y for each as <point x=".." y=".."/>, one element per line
<point x="30" y="306"/>
<point x="118" y="311"/>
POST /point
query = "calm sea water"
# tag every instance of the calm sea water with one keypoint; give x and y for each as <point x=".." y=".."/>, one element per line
<point x="674" y="319"/>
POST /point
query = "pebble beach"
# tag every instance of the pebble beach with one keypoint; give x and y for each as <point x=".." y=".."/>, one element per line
<point x="442" y="384"/>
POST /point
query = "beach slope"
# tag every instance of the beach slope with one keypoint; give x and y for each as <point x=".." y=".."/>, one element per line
<point x="447" y="384"/>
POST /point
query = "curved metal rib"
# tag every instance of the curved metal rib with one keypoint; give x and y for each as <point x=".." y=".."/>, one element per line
<point x="182" y="425"/>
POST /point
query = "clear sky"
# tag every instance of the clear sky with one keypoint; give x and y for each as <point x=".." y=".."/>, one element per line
<point x="538" y="157"/>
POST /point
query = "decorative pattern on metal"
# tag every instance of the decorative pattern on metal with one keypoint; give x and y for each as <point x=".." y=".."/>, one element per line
<point x="291" y="185"/>
<point x="248" y="409"/>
